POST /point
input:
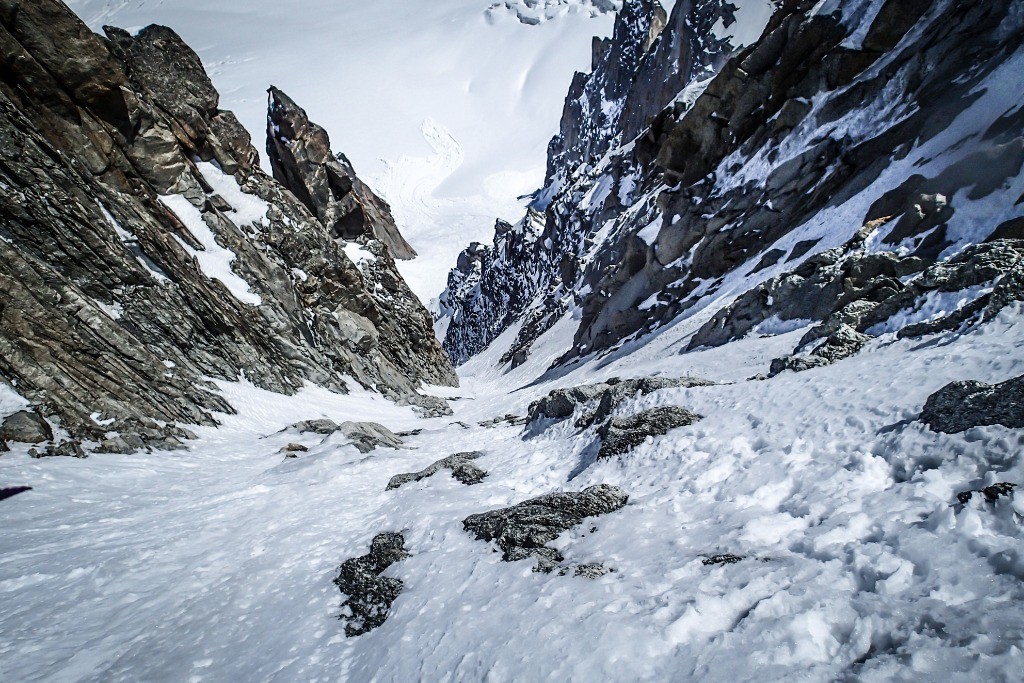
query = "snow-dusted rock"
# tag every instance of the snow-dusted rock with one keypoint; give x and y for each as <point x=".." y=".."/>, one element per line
<point x="461" y="465"/>
<point x="523" y="530"/>
<point x="622" y="434"/>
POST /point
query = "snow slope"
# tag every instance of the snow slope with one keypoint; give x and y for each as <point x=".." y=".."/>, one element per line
<point x="444" y="107"/>
<point x="216" y="564"/>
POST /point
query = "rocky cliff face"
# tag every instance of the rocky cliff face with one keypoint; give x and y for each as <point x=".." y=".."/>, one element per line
<point x="825" y="173"/>
<point x="143" y="251"/>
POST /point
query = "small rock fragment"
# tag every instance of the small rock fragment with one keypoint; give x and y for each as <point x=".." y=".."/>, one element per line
<point x="461" y="465"/>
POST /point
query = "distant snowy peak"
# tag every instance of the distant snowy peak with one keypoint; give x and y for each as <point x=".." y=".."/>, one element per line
<point x="535" y="12"/>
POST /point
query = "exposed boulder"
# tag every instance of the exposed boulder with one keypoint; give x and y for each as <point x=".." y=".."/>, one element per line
<point x="623" y="434"/>
<point x="301" y="158"/>
<point x="958" y="406"/>
<point x="523" y="530"/>
<point x="461" y="465"/>
<point x="371" y="595"/>
<point x="25" y="427"/>
<point x="321" y="426"/>
<point x="842" y="343"/>
<point x="560" y="404"/>
<point x="991" y="493"/>
<point x="365" y="436"/>
<point x="727" y="558"/>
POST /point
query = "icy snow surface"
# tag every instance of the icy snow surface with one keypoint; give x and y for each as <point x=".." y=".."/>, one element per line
<point x="444" y="108"/>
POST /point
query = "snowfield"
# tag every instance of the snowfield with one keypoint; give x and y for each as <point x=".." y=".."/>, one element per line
<point x="217" y="563"/>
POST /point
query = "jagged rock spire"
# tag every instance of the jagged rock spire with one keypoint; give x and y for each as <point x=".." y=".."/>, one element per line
<point x="301" y="159"/>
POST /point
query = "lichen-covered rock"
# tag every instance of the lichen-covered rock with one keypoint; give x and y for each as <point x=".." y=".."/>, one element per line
<point x="523" y="530"/>
<point x="371" y="595"/>
<point x="25" y="427"/>
<point x="622" y="434"/>
<point x="958" y="406"/>
<point x="461" y="465"/>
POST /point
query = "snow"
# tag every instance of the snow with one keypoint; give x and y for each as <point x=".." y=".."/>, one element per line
<point x="751" y="18"/>
<point x="216" y="563"/>
<point x="10" y="401"/>
<point x="393" y="80"/>
<point x="214" y="260"/>
<point x="247" y="209"/>
<point x="932" y="306"/>
<point x="358" y="254"/>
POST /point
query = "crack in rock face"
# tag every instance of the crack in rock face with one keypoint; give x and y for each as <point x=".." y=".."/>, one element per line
<point x="462" y="467"/>
<point x="371" y="595"/>
<point x="523" y="530"/>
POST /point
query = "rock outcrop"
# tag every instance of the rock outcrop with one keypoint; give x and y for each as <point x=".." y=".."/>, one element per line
<point x="302" y="161"/>
<point x="524" y="530"/>
<point x="371" y="595"/>
<point x="461" y="465"/>
<point x="820" y="165"/>
<point x="622" y="434"/>
<point x="25" y="427"/>
<point x="142" y="249"/>
<point x="560" y="404"/>
<point x="959" y="406"/>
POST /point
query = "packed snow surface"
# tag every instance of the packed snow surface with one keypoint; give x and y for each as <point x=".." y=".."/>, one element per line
<point x="217" y="563"/>
<point x="444" y="107"/>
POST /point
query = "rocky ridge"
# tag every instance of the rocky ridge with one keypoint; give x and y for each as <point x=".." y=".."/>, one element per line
<point x="142" y="249"/>
<point x="843" y="171"/>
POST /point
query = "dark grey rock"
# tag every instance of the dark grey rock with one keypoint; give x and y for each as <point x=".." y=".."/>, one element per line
<point x="991" y="493"/>
<point x="623" y="434"/>
<point x="319" y="426"/>
<point x="371" y="595"/>
<point x="592" y="571"/>
<point x="301" y="158"/>
<point x="841" y="344"/>
<point x="523" y="530"/>
<point x="25" y="427"/>
<point x="65" y="449"/>
<point x="727" y="558"/>
<point x="560" y="404"/>
<point x="461" y="465"/>
<point x="958" y="406"/>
